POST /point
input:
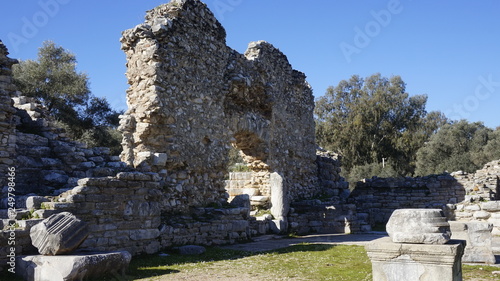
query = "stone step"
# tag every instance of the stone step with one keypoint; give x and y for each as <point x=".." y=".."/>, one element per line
<point x="238" y="191"/>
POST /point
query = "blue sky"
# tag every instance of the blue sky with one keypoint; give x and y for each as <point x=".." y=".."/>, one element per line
<point x="449" y="50"/>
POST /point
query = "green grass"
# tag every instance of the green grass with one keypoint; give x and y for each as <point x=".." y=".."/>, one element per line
<point x="300" y="262"/>
<point x="480" y="272"/>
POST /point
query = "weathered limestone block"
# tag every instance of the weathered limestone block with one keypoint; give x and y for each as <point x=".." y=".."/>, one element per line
<point x="279" y="202"/>
<point x="419" y="226"/>
<point x="242" y="201"/>
<point x="478" y="248"/>
<point x="35" y="202"/>
<point x="415" y="262"/>
<point x="82" y="266"/>
<point x="491" y="206"/>
<point x="59" y="234"/>
<point x="481" y="215"/>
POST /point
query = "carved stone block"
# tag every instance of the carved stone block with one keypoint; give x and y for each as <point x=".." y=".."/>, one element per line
<point x="419" y="226"/>
<point x="58" y="234"/>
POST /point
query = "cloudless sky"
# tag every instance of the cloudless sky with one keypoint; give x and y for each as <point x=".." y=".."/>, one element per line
<point x="449" y="50"/>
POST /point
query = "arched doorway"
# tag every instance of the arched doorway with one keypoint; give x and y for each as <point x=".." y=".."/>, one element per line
<point x="248" y="172"/>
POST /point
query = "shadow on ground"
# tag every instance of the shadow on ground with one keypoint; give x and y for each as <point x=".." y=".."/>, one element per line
<point x="272" y="242"/>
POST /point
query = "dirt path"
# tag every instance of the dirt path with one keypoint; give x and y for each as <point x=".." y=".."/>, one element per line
<point x="273" y="242"/>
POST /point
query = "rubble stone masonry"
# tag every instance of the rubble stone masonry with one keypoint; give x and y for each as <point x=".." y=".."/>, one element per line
<point x="7" y="127"/>
<point x="191" y="97"/>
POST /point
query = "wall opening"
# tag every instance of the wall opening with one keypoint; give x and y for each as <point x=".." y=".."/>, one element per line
<point x="248" y="172"/>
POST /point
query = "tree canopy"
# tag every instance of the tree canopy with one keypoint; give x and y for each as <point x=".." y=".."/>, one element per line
<point x="366" y="120"/>
<point x="54" y="82"/>
<point x="458" y="146"/>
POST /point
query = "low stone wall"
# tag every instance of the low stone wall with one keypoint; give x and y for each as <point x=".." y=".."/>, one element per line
<point x="377" y="198"/>
<point x="124" y="213"/>
<point x="329" y="168"/>
<point x="209" y="226"/>
<point x="461" y="195"/>
<point x="315" y="216"/>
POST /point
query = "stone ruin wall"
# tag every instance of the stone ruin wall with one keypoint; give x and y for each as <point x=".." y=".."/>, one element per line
<point x="47" y="161"/>
<point x="462" y="196"/>
<point x="482" y="199"/>
<point x="122" y="208"/>
<point x="258" y="189"/>
<point x="7" y="128"/>
<point x="377" y="198"/>
<point x="192" y="97"/>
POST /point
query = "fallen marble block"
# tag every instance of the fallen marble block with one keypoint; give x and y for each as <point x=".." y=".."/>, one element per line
<point x="418" y="226"/>
<point x="59" y="234"/>
<point x="79" y="266"/>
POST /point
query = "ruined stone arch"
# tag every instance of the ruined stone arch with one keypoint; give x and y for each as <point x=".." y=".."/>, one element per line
<point x="191" y="97"/>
